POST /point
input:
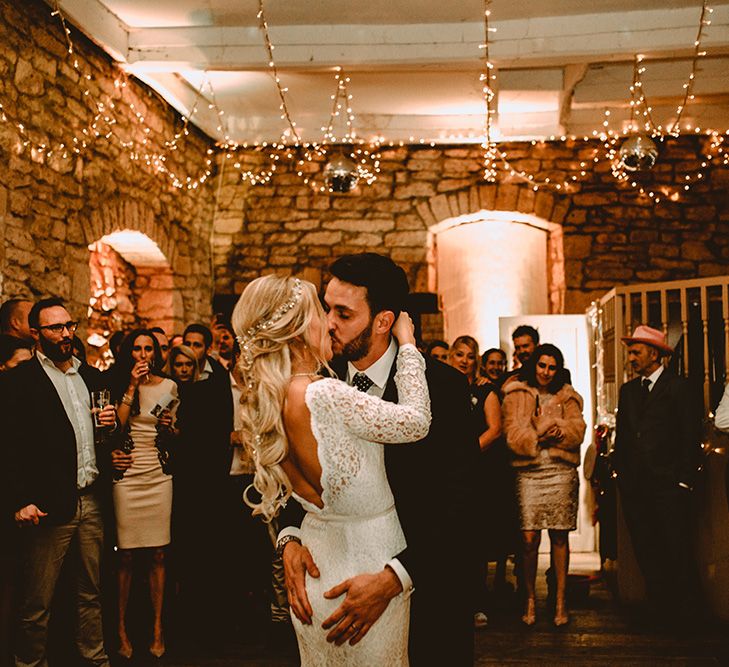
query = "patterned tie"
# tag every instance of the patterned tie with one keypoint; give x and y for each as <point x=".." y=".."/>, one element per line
<point x="362" y="382"/>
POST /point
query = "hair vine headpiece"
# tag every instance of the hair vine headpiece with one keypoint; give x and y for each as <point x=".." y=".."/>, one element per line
<point x="244" y="341"/>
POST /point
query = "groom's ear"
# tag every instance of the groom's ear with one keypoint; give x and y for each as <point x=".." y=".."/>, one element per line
<point x="384" y="321"/>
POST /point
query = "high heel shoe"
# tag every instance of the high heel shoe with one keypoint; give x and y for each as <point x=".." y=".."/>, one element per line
<point x="529" y="617"/>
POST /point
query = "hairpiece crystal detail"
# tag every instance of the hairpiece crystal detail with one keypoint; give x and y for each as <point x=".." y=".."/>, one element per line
<point x="296" y="291"/>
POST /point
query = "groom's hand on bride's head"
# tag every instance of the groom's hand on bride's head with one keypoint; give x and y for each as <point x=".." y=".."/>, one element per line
<point x="298" y="563"/>
<point x="367" y="597"/>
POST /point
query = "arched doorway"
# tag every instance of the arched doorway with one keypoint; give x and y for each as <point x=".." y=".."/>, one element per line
<point x="494" y="264"/>
<point x="131" y="285"/>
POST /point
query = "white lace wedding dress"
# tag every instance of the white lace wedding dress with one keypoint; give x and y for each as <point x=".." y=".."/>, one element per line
<point x="357" y="531"/>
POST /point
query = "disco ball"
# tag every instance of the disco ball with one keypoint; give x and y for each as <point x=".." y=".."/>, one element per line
<point x="340" y="174"/>
<point x="638" y="153"/>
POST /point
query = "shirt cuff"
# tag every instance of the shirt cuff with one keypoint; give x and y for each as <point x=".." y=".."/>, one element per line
<point x="289" y="530"/>
<point x="402" y="574"/>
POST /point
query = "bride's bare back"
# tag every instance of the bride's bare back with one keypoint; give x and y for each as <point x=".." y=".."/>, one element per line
<point x="302" y="464"/>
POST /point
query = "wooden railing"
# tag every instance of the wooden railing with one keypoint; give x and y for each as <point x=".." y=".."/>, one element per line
<point x="694" y="315"/>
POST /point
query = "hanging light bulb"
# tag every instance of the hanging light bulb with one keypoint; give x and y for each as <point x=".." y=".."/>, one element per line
<point x="340" y="174"/>
<point x="638" y="153"/>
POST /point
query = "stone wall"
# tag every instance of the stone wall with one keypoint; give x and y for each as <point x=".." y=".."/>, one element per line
<point x="602" y="232"/>
<point x="53" y="207"/>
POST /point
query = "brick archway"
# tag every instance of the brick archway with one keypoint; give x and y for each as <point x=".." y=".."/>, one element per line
<point x="547" y="209"/>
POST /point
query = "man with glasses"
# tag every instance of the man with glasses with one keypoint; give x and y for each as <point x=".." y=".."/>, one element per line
<point x="54" y="481"/>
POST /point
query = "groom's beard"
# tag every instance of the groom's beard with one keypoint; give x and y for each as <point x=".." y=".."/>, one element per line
<point x="357" y="347"/>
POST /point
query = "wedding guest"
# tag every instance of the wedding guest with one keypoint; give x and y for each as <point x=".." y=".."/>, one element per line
<point x="437" y="349"/>
<point x="202" y="466"/>
<point x="200" y="340"/>
<point x="525" y="339"/>
<point x="494" y="474"/>
<point x="143" y="493"/>
<point x="175" y="340"/>
<point x="13" y="351"/>
<point x="54" y="478"/>
<point x="14" y="319"/>
<point x="544" y="428"/>
<point x="224" y="342"/>
<point x="656" y="458"/>
<point x="493" y="365"/>
<point x="164" y="342"/>
<point x="182" y="365"/>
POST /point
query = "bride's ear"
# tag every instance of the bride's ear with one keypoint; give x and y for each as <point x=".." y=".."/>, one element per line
<point x="384" y="321"/>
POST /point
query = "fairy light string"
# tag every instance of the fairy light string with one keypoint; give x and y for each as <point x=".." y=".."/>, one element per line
<point x="106" y="124"/>
<point x="699" y="52"/>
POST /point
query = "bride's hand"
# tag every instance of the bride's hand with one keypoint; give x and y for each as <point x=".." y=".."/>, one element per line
<point x="404" y="329"/>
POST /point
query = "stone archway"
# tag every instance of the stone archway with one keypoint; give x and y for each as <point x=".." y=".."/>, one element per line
<point x="508" y="202"/>
<point x="543" y="207"/>
<point x="162" y="291"/>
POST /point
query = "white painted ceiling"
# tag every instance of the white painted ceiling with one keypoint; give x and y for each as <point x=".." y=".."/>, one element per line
<point x="414" y="64"/>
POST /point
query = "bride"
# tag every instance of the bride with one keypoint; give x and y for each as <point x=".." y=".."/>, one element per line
<point x="322" y="441"/>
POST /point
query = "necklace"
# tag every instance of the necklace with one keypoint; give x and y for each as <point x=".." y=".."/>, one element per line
<point x="303" y="375"/>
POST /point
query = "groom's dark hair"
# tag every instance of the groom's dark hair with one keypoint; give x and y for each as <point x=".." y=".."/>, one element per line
<point x="386" y="283"/>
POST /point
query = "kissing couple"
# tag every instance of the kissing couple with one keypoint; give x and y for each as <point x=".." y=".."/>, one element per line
<point x="377" y="546"/>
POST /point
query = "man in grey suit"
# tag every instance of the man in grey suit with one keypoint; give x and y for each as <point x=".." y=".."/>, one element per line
<point x="656" y="458"/>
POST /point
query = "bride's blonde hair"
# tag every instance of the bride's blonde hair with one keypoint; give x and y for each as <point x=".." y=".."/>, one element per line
<point x="272" y="313"/>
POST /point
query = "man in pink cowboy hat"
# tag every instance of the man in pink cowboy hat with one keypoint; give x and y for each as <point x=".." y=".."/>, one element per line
<point x="656" y="457"/>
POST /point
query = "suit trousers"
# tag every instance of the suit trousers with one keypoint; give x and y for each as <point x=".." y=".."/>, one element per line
<point x="43" y="550"/>
<point x="661" y="529"/>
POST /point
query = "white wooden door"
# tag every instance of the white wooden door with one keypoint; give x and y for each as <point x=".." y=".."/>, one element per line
<point x="570" y="333"/>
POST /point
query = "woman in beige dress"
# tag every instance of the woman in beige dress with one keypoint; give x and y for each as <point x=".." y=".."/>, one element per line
<point x="143" y="486"/>
<point x="544" y="429"/>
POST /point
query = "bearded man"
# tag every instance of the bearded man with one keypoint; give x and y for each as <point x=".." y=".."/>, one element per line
<point x="431" y="480"/>
<point x="54" y="483"/>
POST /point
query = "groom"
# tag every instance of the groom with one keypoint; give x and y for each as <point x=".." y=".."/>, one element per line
<point x="431" y="481"/>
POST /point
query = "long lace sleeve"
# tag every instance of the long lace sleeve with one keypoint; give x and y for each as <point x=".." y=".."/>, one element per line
<point x="371" y="418"/>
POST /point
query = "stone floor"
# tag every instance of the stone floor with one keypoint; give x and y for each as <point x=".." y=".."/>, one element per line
<point x="600" y="633"/>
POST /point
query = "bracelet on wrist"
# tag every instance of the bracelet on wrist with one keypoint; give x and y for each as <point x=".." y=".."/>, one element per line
<point x="127" y="399"/>
<point x="283" y="542"/>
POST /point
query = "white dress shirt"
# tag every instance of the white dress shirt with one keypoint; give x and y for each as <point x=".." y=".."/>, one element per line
<point x="74" y="395"/>
<point x="721" y="420"/>
<point x="207" y="370"/>
<point x="653" y="377"/>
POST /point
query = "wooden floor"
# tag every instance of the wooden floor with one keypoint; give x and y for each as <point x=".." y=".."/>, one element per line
<point x="600" y="633"/>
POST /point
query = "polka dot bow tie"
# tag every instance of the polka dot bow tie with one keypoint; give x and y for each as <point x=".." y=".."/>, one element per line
<point x="362" y="382"/>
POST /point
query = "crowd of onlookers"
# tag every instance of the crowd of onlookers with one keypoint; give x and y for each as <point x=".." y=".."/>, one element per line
<point x="154" y="472"/>
<point x="135" y="476"/>
<point x="144" y="494"/>
<point x="529" y="425"/>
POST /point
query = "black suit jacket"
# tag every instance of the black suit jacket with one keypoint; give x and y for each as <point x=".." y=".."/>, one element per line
<point x="41" y="444"/>
<point x="657" y="442"/>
